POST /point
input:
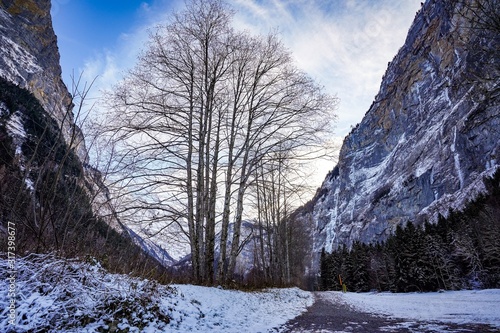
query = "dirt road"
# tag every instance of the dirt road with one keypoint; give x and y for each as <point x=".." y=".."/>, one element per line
<point x="325" y="316"/>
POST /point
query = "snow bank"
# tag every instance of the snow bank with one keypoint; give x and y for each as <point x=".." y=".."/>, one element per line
<point x="210" y="309"/>
<point x="60" y="295"/>
<point x="460" y="307"/>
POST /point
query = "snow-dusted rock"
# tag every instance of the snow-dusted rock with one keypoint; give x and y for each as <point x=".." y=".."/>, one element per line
<point x="427" y="141"/>
<point x="29" y="57"/>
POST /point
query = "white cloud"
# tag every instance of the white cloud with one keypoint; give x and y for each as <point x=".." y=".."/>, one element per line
<point x="145" y="7"/>
<point x="109" y="65"/>
<point x="345" y="47"/>
<point x="104" y="67"/>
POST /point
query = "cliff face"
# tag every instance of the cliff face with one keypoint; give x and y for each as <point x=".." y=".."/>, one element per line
<point x="430" y="137"/>
<point x="29" y="57"/>
<point x="48" y="194"/>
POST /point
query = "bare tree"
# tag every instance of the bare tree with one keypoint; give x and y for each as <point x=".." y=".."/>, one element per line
<point x="482" y="14"/>
<point x="202" y="109"/>
<point x="279" y="184"/>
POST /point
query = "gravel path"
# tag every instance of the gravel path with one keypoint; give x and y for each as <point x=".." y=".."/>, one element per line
<point x="326" y="317"/>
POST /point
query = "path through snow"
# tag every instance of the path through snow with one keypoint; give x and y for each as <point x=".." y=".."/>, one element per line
<point x="67" y="295"/>
<point x="462" y="311"/>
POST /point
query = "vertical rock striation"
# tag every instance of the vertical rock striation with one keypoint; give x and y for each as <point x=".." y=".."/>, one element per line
<point x="430" y="137"/>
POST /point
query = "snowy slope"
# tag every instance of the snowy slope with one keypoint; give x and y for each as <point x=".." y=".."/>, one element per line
<point x="152" y="248"/>
<point x="60" y="295"/>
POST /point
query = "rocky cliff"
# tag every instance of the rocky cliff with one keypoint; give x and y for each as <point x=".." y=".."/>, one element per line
<point x="430" y="137"/>
<point x="50" y="198"/>
<point x="29" y="57"/>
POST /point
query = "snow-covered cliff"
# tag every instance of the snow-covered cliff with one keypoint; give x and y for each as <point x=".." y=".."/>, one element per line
<point x="29" y="57"/>
<point x="430" y="137"/>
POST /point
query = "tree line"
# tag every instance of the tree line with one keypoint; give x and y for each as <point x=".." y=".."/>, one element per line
<point x="461" y="251"/>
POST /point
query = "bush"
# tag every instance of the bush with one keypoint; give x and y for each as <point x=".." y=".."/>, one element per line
<point x="60" y="295"/>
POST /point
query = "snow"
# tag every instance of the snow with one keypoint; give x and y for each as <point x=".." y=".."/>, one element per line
<point x="3" y="109"/>
<point x="15" y="129"/>
<point x="457" y="200"/>
<point x="456" y="157"/>
<point x="459" y="307"/>
<point x="237" y="311"/>
<point x="15" y="126"/>
<point x="161" y="237"/>
<point x="61" y="295"/>
<point x="30" y="185"/>
<point x="16" y="58"/>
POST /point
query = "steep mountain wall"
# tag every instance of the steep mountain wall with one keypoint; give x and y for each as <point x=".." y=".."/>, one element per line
<point x="430" y="137"/>
<point x="49" y="195"/>
<point x="29" y="57"/>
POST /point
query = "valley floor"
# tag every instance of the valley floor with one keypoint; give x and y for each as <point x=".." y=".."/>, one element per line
<point x="58" y="295"/>
<point x="462" y="311"/>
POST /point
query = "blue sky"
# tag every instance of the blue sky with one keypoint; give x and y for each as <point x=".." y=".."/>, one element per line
<point x="344" y="44"/>
<point x="85" y="29"/>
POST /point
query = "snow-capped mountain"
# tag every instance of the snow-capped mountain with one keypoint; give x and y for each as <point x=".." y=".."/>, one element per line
<point x="429" y="138"/>
<point x="172" y="249"/>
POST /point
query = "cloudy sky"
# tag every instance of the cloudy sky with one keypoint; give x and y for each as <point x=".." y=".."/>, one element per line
<point x="344" y="44"/>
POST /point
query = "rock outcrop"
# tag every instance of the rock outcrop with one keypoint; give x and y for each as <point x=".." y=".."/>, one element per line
<point x="430" y="137"/>
<point x="29" y="57"/>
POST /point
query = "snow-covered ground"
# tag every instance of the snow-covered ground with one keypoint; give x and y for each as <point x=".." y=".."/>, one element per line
<point x="460" y="307"/>
<point x="58" y="295"/>
<point x="237" y="311"/>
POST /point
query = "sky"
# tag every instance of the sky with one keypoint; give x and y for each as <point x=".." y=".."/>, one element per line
<point x="345" y="45"/>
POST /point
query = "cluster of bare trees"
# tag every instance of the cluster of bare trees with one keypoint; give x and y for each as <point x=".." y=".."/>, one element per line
<point x="283" y="242"/>
<point x="47" y="199"/>
<point x="211" y="121"/>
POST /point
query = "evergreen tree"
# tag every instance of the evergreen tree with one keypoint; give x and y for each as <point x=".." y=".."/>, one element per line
<point x="359" y="265"/>
<point x="459" y="251"/>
